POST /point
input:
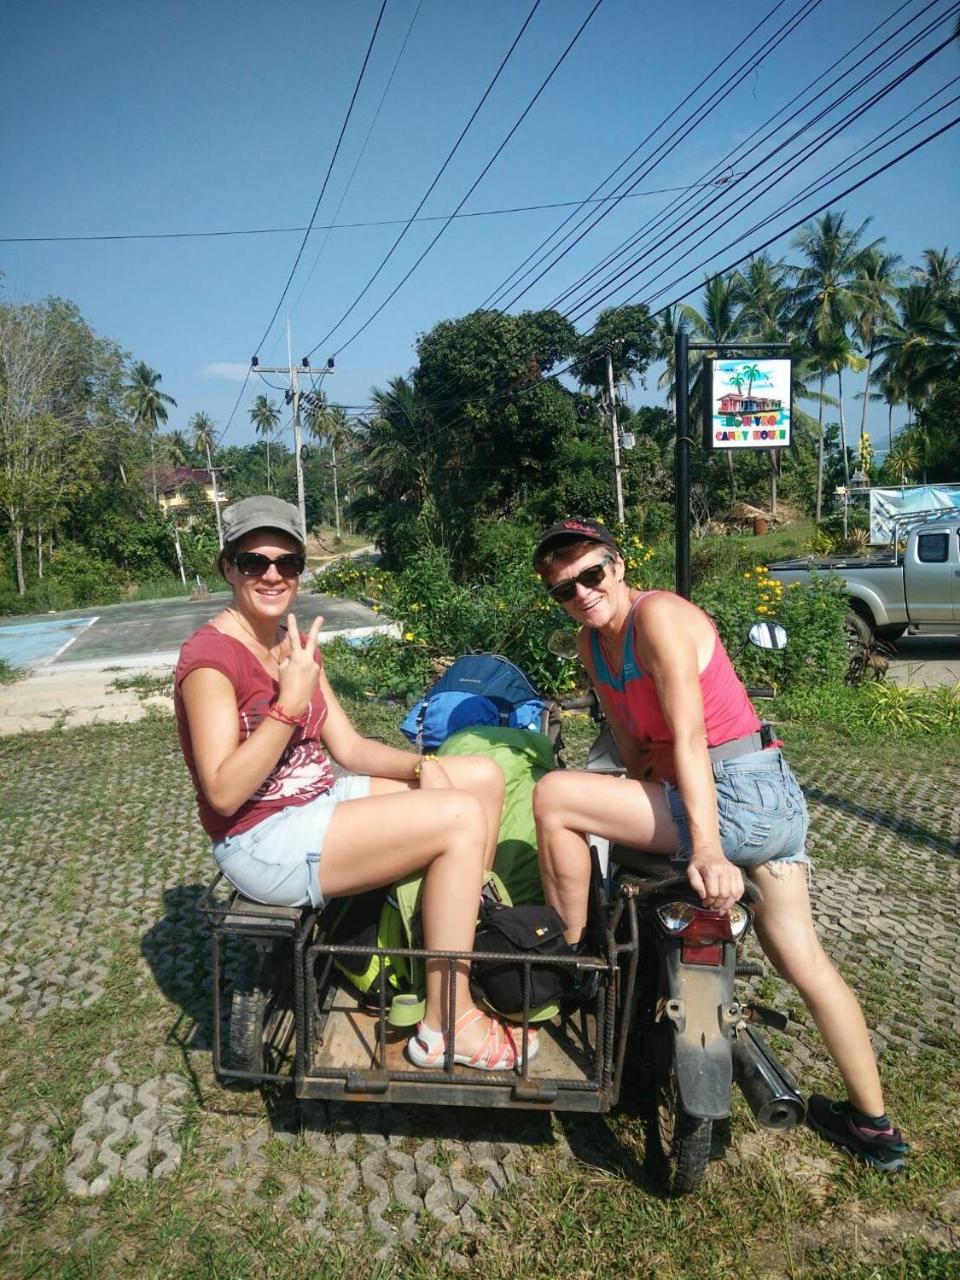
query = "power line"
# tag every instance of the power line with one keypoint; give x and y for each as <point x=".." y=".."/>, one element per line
<point x="351" y="226"/>
<point x="665" y="148"/>
<point x="476" y="183"/>
<point x="336" y="150"/>
<point x="756" y="166"/>
<point x="661" y="218"/>
<point x="360" y="155"/>
<point x="730" y="266"/>
<point x="782" y="171"/>
<point x="745" y="68"/>
<point x="437" y="176"/>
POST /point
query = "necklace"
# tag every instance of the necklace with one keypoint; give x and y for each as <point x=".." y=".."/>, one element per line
<point x="253" y="636"/>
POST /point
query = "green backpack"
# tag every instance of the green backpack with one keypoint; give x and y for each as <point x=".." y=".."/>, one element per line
<point x="373" y="921"/>
<point x="383" y="919"/>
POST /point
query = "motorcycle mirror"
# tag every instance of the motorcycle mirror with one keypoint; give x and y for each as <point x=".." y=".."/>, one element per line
<point x="563" y="644"/>
<point x="768" y="635"/>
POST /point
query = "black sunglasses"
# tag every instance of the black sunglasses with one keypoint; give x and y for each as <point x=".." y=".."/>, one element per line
<point x="254" y="565"/>
<point x="564" y="591"/>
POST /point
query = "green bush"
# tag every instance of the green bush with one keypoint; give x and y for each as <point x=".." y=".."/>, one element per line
<point x="816" y="653"/>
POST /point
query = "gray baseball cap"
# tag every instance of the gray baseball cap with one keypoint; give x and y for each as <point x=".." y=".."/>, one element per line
<point x="261" y="512"/>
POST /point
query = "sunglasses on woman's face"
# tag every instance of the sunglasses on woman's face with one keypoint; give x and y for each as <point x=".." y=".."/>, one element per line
<point x="563" y="592"/>
<point x="254" y="565"/>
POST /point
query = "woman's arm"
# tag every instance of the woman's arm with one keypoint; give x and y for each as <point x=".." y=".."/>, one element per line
<point x="358" y="754"/>
<point x="230" y="771"/>
<point x="667" y="649"/>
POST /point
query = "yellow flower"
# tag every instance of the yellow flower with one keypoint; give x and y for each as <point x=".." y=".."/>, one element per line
<point x="414" y="608"/>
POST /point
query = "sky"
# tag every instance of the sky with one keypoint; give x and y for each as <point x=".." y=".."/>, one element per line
<point x="121" y="118"/>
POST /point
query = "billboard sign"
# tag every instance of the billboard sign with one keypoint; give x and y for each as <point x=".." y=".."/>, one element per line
<point x="747" y="404"/>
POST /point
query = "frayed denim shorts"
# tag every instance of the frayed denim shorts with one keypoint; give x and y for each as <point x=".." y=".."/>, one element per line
<point x="763" y="815"/>
<point x="277" y="861"/>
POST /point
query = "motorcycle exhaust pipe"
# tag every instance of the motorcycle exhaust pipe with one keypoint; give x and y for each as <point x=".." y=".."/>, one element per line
<point x="767" y="1087"/>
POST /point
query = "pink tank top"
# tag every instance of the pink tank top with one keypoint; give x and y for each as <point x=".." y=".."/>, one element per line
<point x="632" y="697"/>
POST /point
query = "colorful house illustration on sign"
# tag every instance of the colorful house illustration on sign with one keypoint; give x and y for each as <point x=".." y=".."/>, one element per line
<point x="734" y="403"/>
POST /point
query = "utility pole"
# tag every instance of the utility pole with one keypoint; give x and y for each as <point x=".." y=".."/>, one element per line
<point x="216" y="497"/>
<point x="293" y="397"/>
<point x="616" y="437"/>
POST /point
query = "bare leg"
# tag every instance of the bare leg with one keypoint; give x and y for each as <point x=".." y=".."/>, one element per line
<point x="484" y="779"/>
<point x="567" y="804"/>
<point x="388" y="836"/>
<point x="784" y="925"/>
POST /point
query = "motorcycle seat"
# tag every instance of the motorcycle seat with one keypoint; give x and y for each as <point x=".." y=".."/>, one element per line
<point x="652" y="866"/>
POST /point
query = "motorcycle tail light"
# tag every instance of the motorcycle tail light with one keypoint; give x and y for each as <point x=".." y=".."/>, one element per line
<point x="676" y="916"/>
<point x="704" y="937"/>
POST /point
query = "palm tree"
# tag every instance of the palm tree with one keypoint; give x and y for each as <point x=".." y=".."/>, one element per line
<point x="177" y="449"/>
<point x="836" y="354"/>
<point x="881" y="272"/>
<point x="148" y="404"/>
<point x="904" y="458"/>
<point x="720" y="322"/>
<point x="827" y="293"/>
<point x="940" y="272"/>
<point x="762" y="294"/>
<point x="205" y="438"/>
<point x="920" y="346"/>
<point x="669" y="323"/>
<point x="265" y="416"/>
<point x="328" y="422"/>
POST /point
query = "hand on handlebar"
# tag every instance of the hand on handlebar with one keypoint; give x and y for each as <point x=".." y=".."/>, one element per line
<point x="718" y="882"/>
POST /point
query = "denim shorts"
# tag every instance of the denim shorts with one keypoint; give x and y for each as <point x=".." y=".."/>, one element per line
<point x="763" y="815"/>
<point x="277" y="861"/>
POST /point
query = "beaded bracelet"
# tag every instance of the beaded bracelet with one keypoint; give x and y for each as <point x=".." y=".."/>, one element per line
<point x="420" y="763"/>
<point x="277" y="712"/>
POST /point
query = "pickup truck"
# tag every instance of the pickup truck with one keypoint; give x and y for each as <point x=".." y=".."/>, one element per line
<point x="914" y="586"/>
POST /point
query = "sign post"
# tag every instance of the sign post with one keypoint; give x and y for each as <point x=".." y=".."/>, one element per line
<point x="746" y="405"/>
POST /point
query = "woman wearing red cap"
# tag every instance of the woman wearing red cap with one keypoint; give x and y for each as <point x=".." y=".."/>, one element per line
<point x="701" y="787"/>
<point x="258" y="724"/>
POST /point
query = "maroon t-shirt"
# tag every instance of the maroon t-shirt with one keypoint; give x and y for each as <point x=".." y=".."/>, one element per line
<point x="301" y="774"/>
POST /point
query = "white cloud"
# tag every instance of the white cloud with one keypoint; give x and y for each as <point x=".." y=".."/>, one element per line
<point x="233" y="372"/>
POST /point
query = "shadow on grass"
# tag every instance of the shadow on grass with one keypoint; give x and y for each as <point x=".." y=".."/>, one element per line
<point x="177" y="949"/>
<point x="905" y="827"/>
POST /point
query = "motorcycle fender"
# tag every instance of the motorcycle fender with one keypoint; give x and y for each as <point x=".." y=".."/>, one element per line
<point x="702" y="1048"/>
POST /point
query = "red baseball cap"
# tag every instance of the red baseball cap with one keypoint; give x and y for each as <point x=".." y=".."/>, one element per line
<point x="573" y="529"/>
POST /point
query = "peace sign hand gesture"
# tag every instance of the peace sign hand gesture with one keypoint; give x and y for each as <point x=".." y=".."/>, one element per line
<point x="299" y="671"/>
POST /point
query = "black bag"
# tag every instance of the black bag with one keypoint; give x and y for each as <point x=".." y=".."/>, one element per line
<point x="524" y="930"/>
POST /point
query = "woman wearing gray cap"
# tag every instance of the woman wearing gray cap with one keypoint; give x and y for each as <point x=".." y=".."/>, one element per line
<point x="702" y="786"/>
<point x="258" y="723"/>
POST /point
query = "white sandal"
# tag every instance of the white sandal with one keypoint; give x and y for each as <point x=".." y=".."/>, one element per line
<point x="499" y="1051"/>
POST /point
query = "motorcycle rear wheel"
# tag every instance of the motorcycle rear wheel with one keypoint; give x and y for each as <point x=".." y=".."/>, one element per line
<point x="677" y="1144"/>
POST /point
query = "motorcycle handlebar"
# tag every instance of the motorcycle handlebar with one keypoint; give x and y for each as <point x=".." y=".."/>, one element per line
<point x="761" y="691"/>
<point x="585" y="702"/>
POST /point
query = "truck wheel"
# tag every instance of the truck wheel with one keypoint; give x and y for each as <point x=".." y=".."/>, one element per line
<point x="258" y="999"/>
<point x="678" y="1144"/>
<point x="858" y="631"/>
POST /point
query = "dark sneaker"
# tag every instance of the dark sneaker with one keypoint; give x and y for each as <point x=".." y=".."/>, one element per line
<point x="840" y="1124"/>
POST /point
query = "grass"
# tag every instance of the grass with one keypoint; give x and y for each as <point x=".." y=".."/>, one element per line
<point x="9" y="674"/>
<point x="108" y="863"/>
<point x="146" y="684"/>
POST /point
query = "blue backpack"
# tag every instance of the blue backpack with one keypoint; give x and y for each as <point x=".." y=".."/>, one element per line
<point x="478" y="689"/>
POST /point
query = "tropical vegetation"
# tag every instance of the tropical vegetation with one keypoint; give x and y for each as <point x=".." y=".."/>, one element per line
<point x="502" y="423"/>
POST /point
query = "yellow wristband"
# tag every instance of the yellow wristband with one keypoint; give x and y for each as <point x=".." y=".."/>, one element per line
<point x="420" y="763"/>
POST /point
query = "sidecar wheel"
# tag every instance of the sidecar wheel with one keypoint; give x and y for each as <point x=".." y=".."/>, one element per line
<point x="257" y="1000"/>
